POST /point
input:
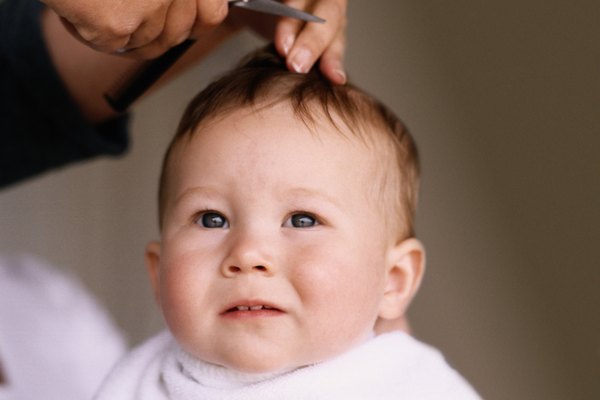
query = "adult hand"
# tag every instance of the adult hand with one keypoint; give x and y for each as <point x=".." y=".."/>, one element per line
<point x="138" y="28"/>
<point x="304" y="43"/>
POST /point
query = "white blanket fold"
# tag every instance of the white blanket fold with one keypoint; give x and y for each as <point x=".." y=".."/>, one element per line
<point x="390" y="366"/>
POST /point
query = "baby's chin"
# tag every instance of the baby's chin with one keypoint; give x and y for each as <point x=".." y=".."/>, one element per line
<point x="276" y="361"/>
<point x="250" y="364"/>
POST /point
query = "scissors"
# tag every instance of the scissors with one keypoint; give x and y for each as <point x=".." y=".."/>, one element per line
<point x="123" y="96"/>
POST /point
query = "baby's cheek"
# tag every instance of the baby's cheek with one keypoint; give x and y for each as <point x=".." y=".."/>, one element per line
<point x="177" y="299"/>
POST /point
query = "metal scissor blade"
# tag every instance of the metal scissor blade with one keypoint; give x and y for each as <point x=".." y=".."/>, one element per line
<point x="275" y="8"/>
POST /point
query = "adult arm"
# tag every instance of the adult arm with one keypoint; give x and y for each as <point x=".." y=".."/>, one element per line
<point x="88" y="74"/>
<point x="51" y="86"/>
<point x="41" y="126"/>
<point x="51" y="90"/>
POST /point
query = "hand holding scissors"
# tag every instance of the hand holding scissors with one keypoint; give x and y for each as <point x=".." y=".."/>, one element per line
<point x="123" y="96"/>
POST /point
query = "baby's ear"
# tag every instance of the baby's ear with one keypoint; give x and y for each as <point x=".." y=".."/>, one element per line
<point x="404" y="271"/>
<point x="152" y="257"/>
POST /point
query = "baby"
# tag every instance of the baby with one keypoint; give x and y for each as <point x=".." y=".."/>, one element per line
<point x="286" y="211"/>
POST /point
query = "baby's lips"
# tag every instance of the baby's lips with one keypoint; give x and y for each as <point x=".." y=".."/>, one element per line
<point x="251" y="305"/>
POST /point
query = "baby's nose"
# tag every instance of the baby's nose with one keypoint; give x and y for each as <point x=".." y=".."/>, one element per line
<point x="249" y="253"/>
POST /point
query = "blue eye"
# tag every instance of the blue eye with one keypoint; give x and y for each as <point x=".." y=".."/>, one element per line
<point x="303" y="221"/>
<point x="212" y="219"/>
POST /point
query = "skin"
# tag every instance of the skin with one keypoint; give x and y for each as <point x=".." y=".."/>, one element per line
<point x="263" y="211"/>
<point x="149" y="26"/>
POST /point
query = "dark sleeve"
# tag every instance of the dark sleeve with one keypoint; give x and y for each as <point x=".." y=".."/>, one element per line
<point x="41" y="127"/>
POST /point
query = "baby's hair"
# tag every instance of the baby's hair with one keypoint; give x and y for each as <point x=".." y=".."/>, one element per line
<point x="262" y="79"/>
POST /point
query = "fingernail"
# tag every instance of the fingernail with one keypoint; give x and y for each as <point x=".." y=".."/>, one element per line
<point x="288" y="42"/>
<point x="342" y="75"/>
<point x="182" y="38"/>
<point x="300" y="60"/>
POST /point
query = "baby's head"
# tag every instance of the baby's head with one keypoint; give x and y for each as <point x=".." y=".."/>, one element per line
<point x="286" y="212"/>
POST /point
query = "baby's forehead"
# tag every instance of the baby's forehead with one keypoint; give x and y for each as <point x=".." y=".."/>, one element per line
<point x="260" y="120"/>
<point x="249" y="137"/>
<point x="319" y="120"/>
<point x="333" y="136"/>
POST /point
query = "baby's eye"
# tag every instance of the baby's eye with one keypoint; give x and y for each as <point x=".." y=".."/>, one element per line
<point x="211" y="219"/>
<point x="301" y="221"/>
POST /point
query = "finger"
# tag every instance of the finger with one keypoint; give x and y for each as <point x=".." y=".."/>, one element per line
<point x="314" y="39"/>
<point x="179" y="21"/>
<point x="288" y="28"/>
<point x="332" y="60"/>
<point x="111" y="28"/>
<point x="210" y="13"/>
<point x="95" y="41"/>
<point x="150" y="29"/>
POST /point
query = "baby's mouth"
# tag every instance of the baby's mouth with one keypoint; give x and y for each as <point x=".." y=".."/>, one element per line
<point x="251" y="308"/>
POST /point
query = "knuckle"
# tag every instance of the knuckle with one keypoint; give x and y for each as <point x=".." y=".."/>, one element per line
<point x="336" y="13"/>
<point x="118" y="28"/>
<point x="214" y="16"/>
<point x="164" y="41"/>
<point x="317" y="44"/>
<point x="89" y="35"/>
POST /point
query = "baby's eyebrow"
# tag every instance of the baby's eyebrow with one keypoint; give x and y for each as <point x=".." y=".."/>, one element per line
<point x="312" y="193"/>
<point x="194" y="192"/>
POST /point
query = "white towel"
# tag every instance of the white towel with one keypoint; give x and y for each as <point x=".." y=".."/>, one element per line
<point x="391" y="366"/>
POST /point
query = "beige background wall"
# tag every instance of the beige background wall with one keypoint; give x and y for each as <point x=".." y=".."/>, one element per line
<point x="503" y="100"/>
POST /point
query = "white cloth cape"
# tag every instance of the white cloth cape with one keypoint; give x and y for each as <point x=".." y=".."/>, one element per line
<point x="390" y="366"/>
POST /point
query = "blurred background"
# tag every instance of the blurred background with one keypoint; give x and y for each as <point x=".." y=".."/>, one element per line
<point x="503" y="100"/>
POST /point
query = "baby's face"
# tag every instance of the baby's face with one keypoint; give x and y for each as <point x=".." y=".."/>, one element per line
<point x="274" y="247"/>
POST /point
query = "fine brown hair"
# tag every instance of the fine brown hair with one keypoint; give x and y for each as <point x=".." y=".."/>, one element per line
<point x="262" y="79"/>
